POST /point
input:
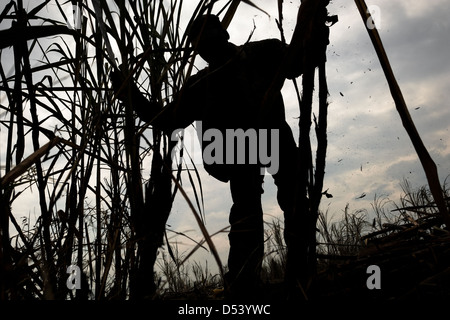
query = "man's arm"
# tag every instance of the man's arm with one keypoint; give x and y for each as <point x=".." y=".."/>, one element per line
<point x="310" y="38"/>
<point x="179" y="113"/>
<point x="129" y="94"/>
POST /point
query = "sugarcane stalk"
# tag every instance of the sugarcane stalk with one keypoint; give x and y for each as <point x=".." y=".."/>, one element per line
<point x="18" y="170"/>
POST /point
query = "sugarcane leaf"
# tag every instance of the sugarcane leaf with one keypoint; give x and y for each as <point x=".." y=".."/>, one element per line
<point x="101" y="25"/>
<point x="33" y="12"/>
<point x="6" y="9"/>
<point x="10" y="36"/>
<point x="229" y="15"/>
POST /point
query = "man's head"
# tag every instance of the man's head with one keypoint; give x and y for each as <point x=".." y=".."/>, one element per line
<point x="209" y="37"/>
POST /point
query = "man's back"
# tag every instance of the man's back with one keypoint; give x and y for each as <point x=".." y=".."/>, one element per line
<point x="231" y="95"/>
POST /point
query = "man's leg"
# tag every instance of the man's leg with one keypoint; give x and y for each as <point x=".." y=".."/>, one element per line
<point x="247" y="232"/>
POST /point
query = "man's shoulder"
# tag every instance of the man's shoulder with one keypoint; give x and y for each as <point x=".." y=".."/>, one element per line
<point x="195" y="78"/>
<point x="270" y="48"/>
<point x="264" y="44"/>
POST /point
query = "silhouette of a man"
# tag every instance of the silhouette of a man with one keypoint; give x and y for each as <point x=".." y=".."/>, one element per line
<point x="230" y="94"/>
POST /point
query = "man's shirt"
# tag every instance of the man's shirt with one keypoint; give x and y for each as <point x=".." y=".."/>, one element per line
<point x="233" y="95"/>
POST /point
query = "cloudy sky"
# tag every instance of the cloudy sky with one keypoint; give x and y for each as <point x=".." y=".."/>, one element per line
<point x="369" y="151"/>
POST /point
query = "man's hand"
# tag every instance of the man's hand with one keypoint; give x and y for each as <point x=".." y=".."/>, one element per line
<point x="122" y="84"/>
<point x="129" y="94"/>
<point x="119" y="85"/>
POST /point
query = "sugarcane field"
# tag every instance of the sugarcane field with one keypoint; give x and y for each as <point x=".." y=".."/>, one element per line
<point x="221" y="158"/>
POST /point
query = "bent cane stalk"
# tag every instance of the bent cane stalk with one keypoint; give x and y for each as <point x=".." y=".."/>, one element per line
<point x="23" y="166"/>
